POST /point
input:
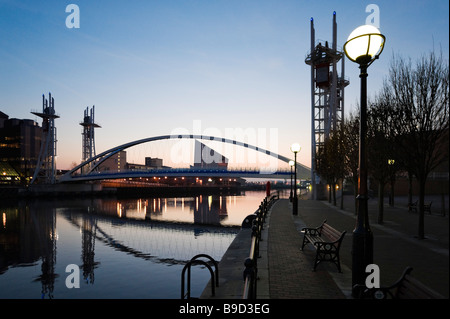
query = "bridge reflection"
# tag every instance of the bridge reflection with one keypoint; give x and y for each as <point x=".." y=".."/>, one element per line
<point x="157" y="230"/>
<point x="202" y="209"/>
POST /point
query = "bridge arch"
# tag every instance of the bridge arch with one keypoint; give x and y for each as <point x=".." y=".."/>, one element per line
<point x="108" y="153"/>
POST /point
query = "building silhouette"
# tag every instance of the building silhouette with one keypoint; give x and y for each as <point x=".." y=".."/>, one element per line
<point x="20" y="143"/>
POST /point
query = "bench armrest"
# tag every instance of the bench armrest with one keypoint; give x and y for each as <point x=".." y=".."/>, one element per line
<point x="315" y="231"/>
<point x="312" y="231"/>
<point x="380" y="293"/>
<point x="362" y="292"/>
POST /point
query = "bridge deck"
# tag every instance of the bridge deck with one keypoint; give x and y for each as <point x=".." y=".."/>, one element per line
<point x="177" y="173"/>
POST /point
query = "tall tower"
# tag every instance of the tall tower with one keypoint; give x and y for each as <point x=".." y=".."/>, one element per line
<point x="327" y="94"/>
<point x="46" y="166"/>
<point x="88" y="146"/>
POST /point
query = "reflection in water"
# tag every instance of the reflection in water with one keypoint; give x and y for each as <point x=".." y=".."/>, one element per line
<point x="209" y="209"/>
<point x="114" y="239"/>
<point x="45" y="227"/>
<point x="89" y="229"/>
<point x="29" y="235"/>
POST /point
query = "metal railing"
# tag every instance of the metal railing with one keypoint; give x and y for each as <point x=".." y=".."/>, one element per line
<point x="257" y="221"/>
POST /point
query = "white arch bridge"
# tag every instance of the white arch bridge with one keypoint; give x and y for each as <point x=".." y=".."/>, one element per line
<point x="90" y="167"/>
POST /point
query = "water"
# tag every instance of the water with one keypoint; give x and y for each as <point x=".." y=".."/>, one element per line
<point x="132" y="248"/>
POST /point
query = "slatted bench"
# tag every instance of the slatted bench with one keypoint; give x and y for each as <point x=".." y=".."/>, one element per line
<point x="413" y="206"/>
<point x="407" y="287"/>
<point x="427" y="207"/>
<point x="327" y="242"/>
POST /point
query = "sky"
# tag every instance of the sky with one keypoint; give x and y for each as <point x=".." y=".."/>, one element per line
<point x="212" y="67"/>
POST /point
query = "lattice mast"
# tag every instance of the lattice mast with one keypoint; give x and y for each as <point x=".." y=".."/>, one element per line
<point x="46" y="166"/>
<point x="89" y="125"/>
<point x="327" y="94"/>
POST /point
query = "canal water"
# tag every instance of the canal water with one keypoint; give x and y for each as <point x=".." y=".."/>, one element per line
<point x="123" y="248"/>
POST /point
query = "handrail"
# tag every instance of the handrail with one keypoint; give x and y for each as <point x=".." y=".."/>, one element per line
<point x="250" y="273"/>
<point x="216" y="265"/>
<point x="251" y="262"/>
<point x="194" y="260"/>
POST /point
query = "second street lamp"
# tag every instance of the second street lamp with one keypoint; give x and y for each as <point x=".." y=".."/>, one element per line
<point x="291" y="164"/>
<point x="295" y="148"/>
<point x="363" y="46"/>
<point x="391" y="164"/>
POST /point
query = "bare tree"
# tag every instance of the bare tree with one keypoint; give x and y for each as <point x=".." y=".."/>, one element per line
<point x="351" y="151"/>
<point x="381" y="147"/>
<point x="330" y="163"/>
<point x="420" y="96"/>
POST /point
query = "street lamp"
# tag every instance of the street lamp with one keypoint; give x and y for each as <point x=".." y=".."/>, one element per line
<point x="295" y="148"/>
<point x="291" y="164"/>
<point x="391" y="163"/>
<point x="363" y="46"/>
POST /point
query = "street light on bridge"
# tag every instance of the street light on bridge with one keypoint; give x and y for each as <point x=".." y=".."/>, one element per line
<point x="363" y="46"/>
<point x="295" y="148"/>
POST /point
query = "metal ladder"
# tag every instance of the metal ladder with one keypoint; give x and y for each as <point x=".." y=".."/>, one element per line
<point x="195" y="261"/>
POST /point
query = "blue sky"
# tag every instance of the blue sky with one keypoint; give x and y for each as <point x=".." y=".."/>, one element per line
<point x="151" y="67"/>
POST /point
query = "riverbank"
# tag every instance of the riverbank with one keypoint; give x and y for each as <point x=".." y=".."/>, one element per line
<point x="87" y="190"/>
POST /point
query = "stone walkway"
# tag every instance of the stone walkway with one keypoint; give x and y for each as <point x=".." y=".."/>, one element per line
<point x="290" y="269"/>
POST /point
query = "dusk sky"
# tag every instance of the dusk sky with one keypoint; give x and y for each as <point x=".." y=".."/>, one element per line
<point x="153" y="67"/>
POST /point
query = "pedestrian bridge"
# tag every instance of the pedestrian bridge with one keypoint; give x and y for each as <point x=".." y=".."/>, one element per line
<point x="177" y="172"/>
<point x="88" y="170"/>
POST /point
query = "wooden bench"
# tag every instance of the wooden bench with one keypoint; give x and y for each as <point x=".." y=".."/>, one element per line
<point x="407" y="287"/>
<point x="413" y="206"/>
<point x="327" y="242"/>
<point x="426" y="207"/>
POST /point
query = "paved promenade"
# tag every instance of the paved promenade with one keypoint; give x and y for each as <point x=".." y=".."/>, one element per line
<point x="290" y="269"/>
<point x="285" y="272"/>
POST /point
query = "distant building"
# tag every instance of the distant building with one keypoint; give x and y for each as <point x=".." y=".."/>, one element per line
<point x="153" y="162"/>
<point x="150" y="163"/>
<point x="3" y="118"/>
<point x="115" y="163"/>
<point x="207" y="158"/>
<point x="20" y="143"/>
<point x="8" y="175"/>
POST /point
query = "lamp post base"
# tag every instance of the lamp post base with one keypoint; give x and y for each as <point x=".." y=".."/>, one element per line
<point x="362" y="245"/>
<point x="295" y="205"/>
<point x="362" y="255"/>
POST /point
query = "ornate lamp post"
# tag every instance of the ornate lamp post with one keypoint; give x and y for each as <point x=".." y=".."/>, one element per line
<point x="363" y="46"/>
<point x="391" y="163"/>
<point x="291" y="164"/>
<point x="295" y="148"/>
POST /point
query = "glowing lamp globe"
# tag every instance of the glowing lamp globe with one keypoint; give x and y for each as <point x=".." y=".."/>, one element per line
<point x="295" y="148"/>
<point x="364" y="44"/>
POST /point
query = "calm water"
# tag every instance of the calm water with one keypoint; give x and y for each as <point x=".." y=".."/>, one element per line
<point x="124" y="248"/>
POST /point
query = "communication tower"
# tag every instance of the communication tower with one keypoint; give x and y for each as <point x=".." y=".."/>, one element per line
<point x="46" y="166"/>
<point x="88" y="123"/>
<point x="327" y="94"/>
